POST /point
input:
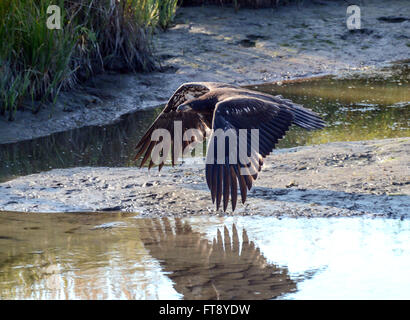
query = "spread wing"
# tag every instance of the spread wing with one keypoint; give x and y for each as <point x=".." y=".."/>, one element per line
<point x="302" y="117"/>
<point x="229" y="168"/>
<point x="168" y="117"/>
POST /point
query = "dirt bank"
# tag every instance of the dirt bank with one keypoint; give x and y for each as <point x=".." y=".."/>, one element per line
<point x="248" y="47"/>
<point x="335" y="179"/>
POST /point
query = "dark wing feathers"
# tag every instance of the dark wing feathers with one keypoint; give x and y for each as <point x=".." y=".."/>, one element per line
<point x="303" y="117"/>
<point x="272" y="116"/>
<point x="168" y="116"/>
<point x="234" y="187"/>
<point x="242" y="112"/>
<point x="167" y="121"/>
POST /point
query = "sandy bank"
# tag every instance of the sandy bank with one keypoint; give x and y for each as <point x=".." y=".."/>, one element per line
<point x="335" y="179"/>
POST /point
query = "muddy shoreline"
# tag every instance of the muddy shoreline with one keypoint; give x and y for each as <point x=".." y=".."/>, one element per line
<point x="244" y="48"/>
<point x="369" y="178"/>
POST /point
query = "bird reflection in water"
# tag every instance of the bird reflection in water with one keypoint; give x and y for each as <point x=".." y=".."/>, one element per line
<point x="227" y="268"/>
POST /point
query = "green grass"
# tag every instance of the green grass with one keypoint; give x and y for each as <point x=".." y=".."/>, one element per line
<point x="96" y="35"/>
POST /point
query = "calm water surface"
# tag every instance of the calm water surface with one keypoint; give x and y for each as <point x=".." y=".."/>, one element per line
<point x="121" y="256"/>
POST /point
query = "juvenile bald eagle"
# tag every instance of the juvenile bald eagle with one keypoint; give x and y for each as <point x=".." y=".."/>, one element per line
<point x="210" y="105"/>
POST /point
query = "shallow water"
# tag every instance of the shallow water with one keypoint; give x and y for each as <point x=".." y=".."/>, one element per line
<point x="357" y="108"/>
<point x="361" y="108"/>
<point x="122" y="256"/>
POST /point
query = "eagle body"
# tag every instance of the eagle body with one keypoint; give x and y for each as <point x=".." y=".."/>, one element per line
<point x="218" y="107"/>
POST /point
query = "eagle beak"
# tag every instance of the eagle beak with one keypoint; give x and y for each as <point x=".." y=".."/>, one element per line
<point x="184" y="107"/>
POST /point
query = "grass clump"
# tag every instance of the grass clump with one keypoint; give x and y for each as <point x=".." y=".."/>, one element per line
<point x="95" y="35"/>
<point x="34" y="61"/>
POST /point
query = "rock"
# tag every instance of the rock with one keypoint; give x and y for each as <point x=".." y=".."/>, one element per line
<point x="393" y="19"/>
<point x="128" y="186"/>
<point x="257" y="37"/>
<point x="247" y="43"/>
<point x="354" y="33"/>
<point x="147" y="184"/>
<point x="116" y="208"/>
<point x="292" y="184"/>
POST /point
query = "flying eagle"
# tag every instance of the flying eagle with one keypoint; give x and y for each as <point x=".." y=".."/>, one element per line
<point x="221" y="107"/>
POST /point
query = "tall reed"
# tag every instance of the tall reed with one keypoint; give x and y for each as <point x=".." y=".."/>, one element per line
<point x="96" y="35"/>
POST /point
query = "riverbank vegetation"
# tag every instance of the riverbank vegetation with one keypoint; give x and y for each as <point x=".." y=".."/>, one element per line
<point x="95" y="35"/>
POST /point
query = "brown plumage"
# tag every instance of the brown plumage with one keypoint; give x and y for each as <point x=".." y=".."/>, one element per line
<point x="209" y="105"/>
<point x="229" y="267"/>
